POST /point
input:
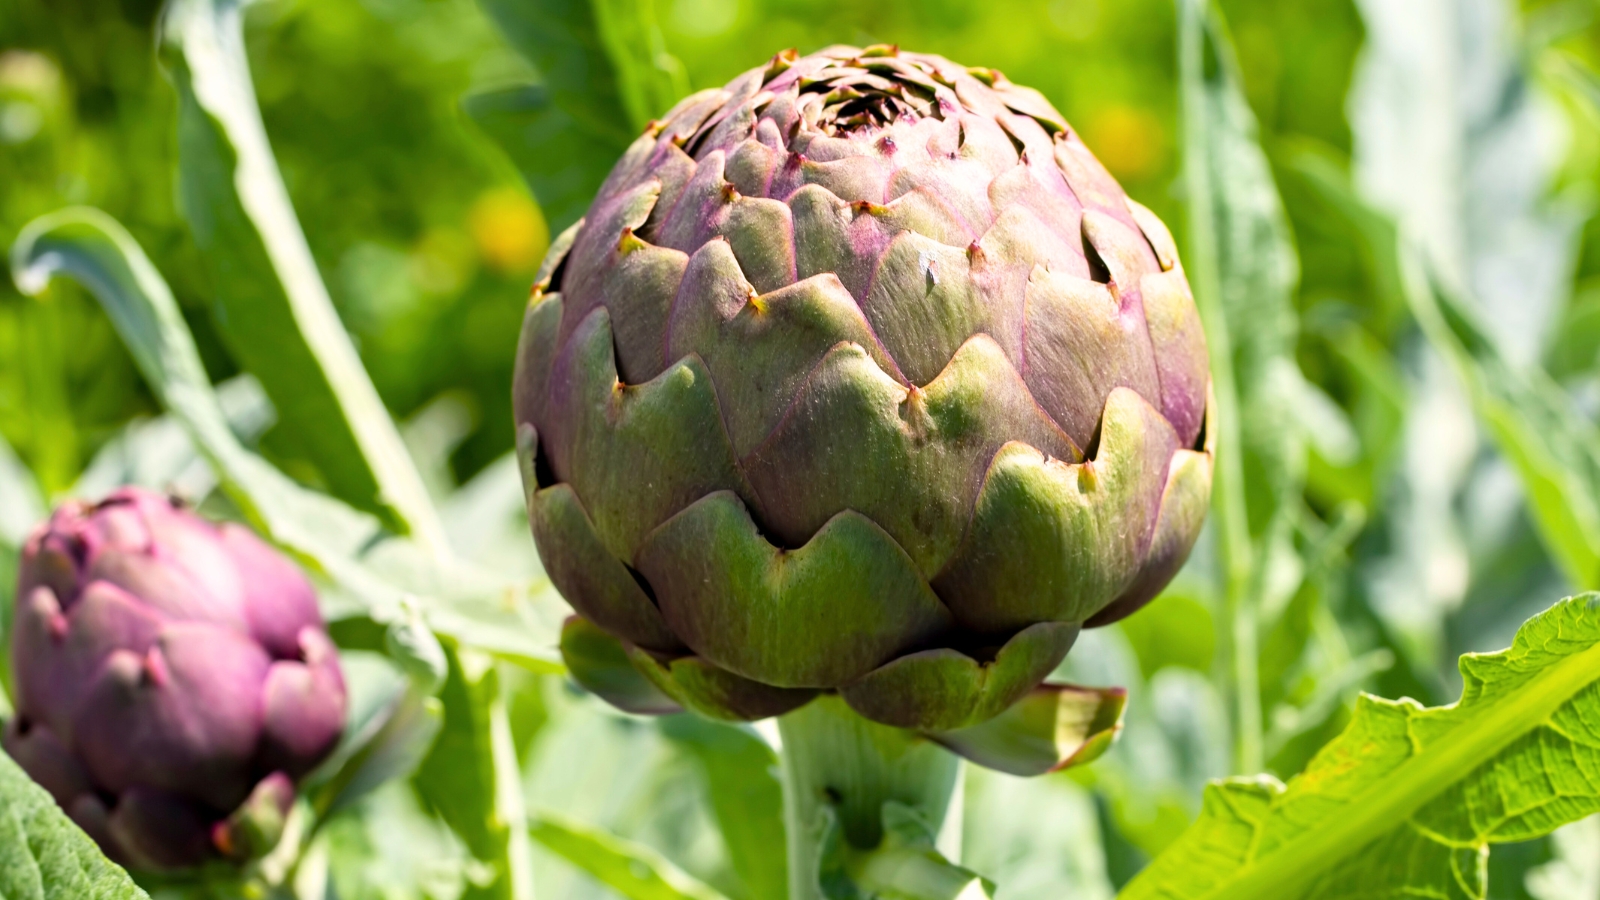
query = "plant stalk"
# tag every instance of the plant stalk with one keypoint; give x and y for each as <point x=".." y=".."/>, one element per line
<point x="838" y="768"/>
<point x="1237" y="631"/>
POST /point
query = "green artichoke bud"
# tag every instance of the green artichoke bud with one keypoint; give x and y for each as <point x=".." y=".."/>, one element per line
<point x="861" y="375"/>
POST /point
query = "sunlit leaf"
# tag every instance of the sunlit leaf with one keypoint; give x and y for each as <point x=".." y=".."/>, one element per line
<point x="1462" y="152"/>
<point x="622" y="774"/>
<point x="385" y="848"/>
<point x="391" y="746"/>
<point x="93" y="249"/>
<point x="43" y="856"/>
<point x="1466" y="157"/>
<point x="1407" y="799"/>
<point x="1174" y="739"/>
<point x="1554" y="447"/>
<point x="271" y="302"/>
<point x="1575" y="871"/>
<point x="487" y="521"/>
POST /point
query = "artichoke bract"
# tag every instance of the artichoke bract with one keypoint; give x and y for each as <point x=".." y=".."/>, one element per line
<point x="174" y="679"/>
<point x="861" y="375"/>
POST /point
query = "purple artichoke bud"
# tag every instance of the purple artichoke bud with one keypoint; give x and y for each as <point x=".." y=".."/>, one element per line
<point x="173" y="675"/>
<point x="861" y="375"/>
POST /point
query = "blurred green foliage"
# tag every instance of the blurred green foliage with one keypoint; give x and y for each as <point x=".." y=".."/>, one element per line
<point x="415" y="135"/>
<point x="423" y="232"/>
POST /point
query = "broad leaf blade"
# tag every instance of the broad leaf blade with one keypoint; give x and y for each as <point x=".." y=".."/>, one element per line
<point x="389" y="725"/>
<point x="1512" y="760"/>
<point x="633" y="870"/>
<point x="272" y="305"/>
<point x="43" y="856"/>
<point x="158" y="454"/>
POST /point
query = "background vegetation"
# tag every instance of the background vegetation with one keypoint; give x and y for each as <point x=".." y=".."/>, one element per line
<point x="1384" y="524"/>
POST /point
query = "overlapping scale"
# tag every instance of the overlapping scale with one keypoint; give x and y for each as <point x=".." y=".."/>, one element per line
<point x="818" y="616"/>
<point x="635" y="454"/>
<point x="910" y="459"/>
<point x="1053" y="541"/>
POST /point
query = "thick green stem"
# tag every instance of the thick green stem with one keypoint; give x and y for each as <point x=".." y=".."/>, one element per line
<point x="837" y="764"/>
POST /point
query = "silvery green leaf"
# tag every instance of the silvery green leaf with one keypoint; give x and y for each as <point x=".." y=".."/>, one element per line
<point x="386" y="847"/>
<point x="1553" y="446"/>
<point x="93" y="249"/>
<point x="517" y="620"/>
<point x="1538" y="427"/>
<point x="272" y="305"/>
<point x="487" y="521"/>
<point x="431" y="434"/>
<point x="391" y="746"/>
<point x="739" y="771"/>
<point x="412" y="645"/>
<point x="1460" y="143"/>
<point x="1152" y="776"/>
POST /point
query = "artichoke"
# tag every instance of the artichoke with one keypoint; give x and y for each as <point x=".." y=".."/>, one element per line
<point x="861" y="375"/>
<point x="174" y="679"/>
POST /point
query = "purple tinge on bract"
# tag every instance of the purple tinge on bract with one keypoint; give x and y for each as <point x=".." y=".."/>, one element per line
<point x="859" y="373"/>
<point x="167" y="668"/>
